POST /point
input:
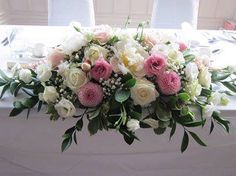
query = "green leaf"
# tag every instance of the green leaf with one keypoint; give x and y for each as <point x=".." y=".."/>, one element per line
<point x="129" y="140"/>
<point x="18" y="105"/>
<point x="230" y="86"/>
<point x="4" y="76"/>
<point x="13" y="86"/>
<point x="197" y="139"/>
<point x="172" y="132"/>
<point x="75" y="137"/>
<point x="163" y="124"/>
<point x="185" y="142"/>
<point x="30" y="102"/>
<point x="2" y="82"/>
<point x="206" y="92"/>
<point x="135" y="115"/>
<point x="15" y="112"/>
<point x="184" y="97"/>
<point x="69" y="131"/>
<point x="94" y="125"/>
<point x="122" y="95"/>
<point x="162" y="112"/>
<point x="151" y="122"/>
<point x="130" y="83"/>
<point x="17" y="90"/>
<point x="79" y="124"/>
<point x="40" y="103"/>
<point x="66" y="144"/>
<point x="224" y="123"/>
<point x="212" y="126"/>
<point x="195" y="123"/>
<point x="28" y="113"/>
<point x="4" y="89"/>
<point x="219" y="76"/>
<point x="159" y="131"/>
<point x="126" y="77"/>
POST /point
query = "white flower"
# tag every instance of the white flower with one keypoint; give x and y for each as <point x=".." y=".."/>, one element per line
<point x="224" y="100"/>
<point x="94" y="52"/>
<point x="204" y="77"/>
<point x="215" y="98"/>
<point x="144" y="92"/>
<point x="75" y="78"/>
<point x="43" y="72"/>
<point x="191" y="71"/>
<point x="65" y="108"/>
<point x="133" y="125"/>
<point x="208" y="110"/>
<point x="25" y="75"/>
<point x="15" y="69"/>
<point x="62" y="68"/>
<point x="74" y="42"/>
<point x="193" y="89"/>
<point x="50" y="94"/>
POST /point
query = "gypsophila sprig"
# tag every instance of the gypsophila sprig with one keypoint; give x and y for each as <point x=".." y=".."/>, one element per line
<point x="123" y="80"/>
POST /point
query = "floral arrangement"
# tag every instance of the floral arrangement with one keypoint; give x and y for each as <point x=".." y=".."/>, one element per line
<point x="123" y="80"/>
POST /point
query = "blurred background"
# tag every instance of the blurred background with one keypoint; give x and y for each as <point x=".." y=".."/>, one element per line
<point x="212" y="13"/>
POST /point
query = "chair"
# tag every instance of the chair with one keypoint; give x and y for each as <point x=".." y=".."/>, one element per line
<point x="62" y="12"/>
<point x="172" y="13"/>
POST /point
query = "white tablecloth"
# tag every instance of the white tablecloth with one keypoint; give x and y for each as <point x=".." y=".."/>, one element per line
<point x="32" y="147"/>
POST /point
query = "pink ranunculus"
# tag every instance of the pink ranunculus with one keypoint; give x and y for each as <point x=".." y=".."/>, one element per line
<point x="102" y="36"/>
<point x="90" y="95"/>
<point x="169" y="83"/>
<point x="182" y="46"/>
<point x="102" y="69"/>
<point x="155" y="64"/>
<point x="56" y="57"/>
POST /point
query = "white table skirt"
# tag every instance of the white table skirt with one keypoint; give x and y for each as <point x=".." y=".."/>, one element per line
<point x="32" y="147"/>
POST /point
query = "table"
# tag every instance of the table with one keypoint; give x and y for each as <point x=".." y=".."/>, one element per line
<point x="32" y="147"/>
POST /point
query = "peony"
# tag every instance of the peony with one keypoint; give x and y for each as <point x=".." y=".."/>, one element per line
<point x="75" y="78"/>
<point x="133" y="125"/>
<point x="74" y="42"/>
<point x="169" y="83"/>
<point x="94" y="52"/>
<point x="25" y="75"/>
<point x="182" y="46"/>
<point x="65" y="108"/>
<point x="102" y="69"/>
<point x="50" y="94"/>
<point x="191" y="71"/>
<point x="155" y="64"/>
<point x="194" y="89"/>
<point x="204" y="77"/>
<point x="43" y="72"/>
<point x="90" y="95"/>
<point x="56" y="57"/>
<point x="144" y="92"/>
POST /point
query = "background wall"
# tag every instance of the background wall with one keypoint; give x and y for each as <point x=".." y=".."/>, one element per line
<point x="114" y="12"/>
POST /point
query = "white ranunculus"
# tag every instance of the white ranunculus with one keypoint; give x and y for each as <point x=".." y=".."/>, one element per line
<point x="144" y="92"/>
<point x="65" y="108"/>
<point x="191" y="71"/>
<point x="44" y="72"/>
<point x="25" y="75"/>
<point x="208" y="110"/>
<point x="133" y="125"/>
<point x="50" y="94"/>
<point x="204" y="77"/>
<point x="74" y="42"/>
<point x="193" y="89"/>
<point x="75" y="78"/>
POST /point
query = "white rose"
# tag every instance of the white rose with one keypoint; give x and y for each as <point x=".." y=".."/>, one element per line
<point x="43" y="72"/>
<point x="50" y="94"/>
<point x="133" y="125"/>
<point x="94" y="52"/>
<point x="144" y="92"/>
<point x="25" y="75"/>
<point x="191" y="72"/>
<point x="65" y="108"/>
<point x="194" y="89"/>
<point x="74" y="42"/>
<point x="208" y="110"/>
<point x="75" y="78"/>
<point x="204" y="77"/>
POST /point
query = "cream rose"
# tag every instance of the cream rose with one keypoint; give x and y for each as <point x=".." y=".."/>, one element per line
<point x="25" y="75"/>
<point x="133" y="125"/>
<point x="204" y="77"/>
<point x="75" y="78"/>
<point x="50" y="94"/>
<point x="144" y="92"/>
<point x="43" y="72"/>
<point x="65" y="108"/>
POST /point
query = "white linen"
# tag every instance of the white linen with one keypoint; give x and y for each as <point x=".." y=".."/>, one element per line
<point x="32" y="147"/>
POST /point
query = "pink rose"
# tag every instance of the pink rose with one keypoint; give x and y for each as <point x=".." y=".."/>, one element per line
<point x="102" y="36"/>
<point x="155" y="64"/>
<point x="169" y="83"/>
<point x="90" y="95"/>
<point x="56" y="57"/>
<point x="182" y="46"/>
<point x="102" y="69"/>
